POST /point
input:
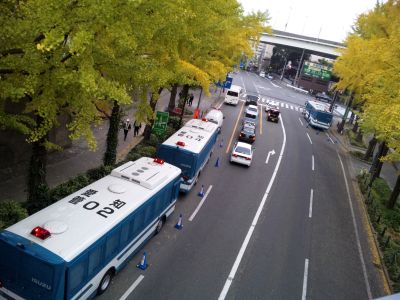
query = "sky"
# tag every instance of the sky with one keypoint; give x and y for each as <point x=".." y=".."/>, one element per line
<point x="330" y="20"/>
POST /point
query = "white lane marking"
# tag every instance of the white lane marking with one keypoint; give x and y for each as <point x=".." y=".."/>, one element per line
<point x="312" y="162"/>
<point x="291" y="107"/>
<point x="244" y="86"/>
<point x="275" y="84"/>
<point x="219" y="106"/>
<point x="303" y="296"/>
<point x="200" y="204"/>
<point x="300" y="109"/>
<point x="360" y="252"/>
<point x="287" y="106"/>
<point x="282" y="104"/>
<point x="309" y="138"/>
<point x="329" y="137"/>
<point x="239" y="257"/>
<point x="132" y="287"/>
<point x="301" y="122"/>
<point x="270" y="153"/>
<point x="311" y="201"/>
<point x="296" y="108"/>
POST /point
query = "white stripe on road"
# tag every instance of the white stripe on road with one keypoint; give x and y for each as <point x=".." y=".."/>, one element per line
<point x="311" y="201"/>
<point x="301" y="122"/>
<point x="360" y="252"/>
<point x="282" y="104"/>
<point x="132" y="287"/>
<point x="309" y="138"/>
<point x="296" y="108"/>
<point x="200" y="204"/>
<point x="312" y="162"/>
<point x="291" y="106"/>
<point x="275" y="84"/>
<point x="304" y="295"/>
<point x="300" y="109"/>
<point x="329" y="137"/>
<point x="287" y="106"/>
<point x="239" y="257"/>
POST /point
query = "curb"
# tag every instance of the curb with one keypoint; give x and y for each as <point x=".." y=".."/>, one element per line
<point x="370" y="230"/>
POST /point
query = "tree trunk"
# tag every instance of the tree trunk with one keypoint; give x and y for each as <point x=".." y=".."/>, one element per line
<point x="376" y="166"/>
<point x="174" y="91"/>
<point x="110" y="156"/>
<point x="37" y="186"/>
<point x="395" y="194"/>
<point x="341" y="125"/>
<point x="355" y="127"/>
<point x="371" y="148"/>
<point x="185" y="92"/>
<point x="153" y="102"/>
<point x="359" y="136"/>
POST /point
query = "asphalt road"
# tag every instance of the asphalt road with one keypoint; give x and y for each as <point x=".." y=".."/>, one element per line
<point x="277" y="230"/>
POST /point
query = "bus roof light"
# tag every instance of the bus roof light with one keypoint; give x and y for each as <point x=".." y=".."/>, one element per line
<point x="40" y="232"/>
<point x="180" y="143"/>
<point x="159" y="161"/>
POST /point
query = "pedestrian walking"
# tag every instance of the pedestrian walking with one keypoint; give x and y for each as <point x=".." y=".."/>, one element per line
<point x="191" y="99"/>
<point x="126" y="126"/>
<point x="136" y="127"/>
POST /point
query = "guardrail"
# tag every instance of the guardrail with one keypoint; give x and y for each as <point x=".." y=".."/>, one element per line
<point x="297" y="89"/>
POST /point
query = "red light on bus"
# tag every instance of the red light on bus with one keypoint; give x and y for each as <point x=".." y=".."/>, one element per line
<point x="180" y="143"/>
<point x="158" y="161"/>
<point x="40" y="232"/>
<point x="204" y="120"/>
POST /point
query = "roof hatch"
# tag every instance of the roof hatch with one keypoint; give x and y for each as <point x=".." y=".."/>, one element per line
<point x="145" y="172"/>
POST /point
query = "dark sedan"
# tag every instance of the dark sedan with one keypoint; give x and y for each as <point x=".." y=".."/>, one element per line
<point x="248" y="133"/>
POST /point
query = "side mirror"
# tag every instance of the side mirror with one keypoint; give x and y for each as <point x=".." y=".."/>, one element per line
<point x="224" y="117"/>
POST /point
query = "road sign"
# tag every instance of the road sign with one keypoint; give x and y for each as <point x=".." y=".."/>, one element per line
<point x="226" y="84"/>
<point x="160" y="124"/>
<point x="317" y="70"/>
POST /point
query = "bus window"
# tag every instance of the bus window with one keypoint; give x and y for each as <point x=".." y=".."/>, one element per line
<point x="95" y="260"/>
<point x="125" y="233"/>
<point x="77" y="274"/>
<point x="112" y="244"/>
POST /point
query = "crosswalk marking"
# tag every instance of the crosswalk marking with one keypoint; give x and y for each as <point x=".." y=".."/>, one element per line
<point x="266" y="101"/>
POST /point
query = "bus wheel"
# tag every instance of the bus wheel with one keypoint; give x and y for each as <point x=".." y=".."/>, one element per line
<point x="105" y="282"/>
<point x="160" y="225"/>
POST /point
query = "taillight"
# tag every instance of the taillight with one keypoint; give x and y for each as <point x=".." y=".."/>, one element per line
<point x="241" y="135"/>
<point x="185" y="178"/>
<point x="40" y="232"/>
<point x="234" y="155"/>
<point x="248" y="158"/>
<point x="253" y="137"/>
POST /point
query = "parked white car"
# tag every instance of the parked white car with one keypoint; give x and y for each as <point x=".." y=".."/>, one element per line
<point x="242" y="153"/>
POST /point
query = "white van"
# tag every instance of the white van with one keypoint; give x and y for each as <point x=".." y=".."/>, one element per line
<point x="233" y="94"/>
<point x="215" y="116"/>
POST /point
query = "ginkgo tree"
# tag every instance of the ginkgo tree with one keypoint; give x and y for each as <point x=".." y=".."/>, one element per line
<point x="371" y="66"/>
<point x="62" y="58"/>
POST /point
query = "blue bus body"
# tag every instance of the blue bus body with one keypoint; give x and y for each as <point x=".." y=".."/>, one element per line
<point x="190" y="161"/>
<point x="318" y="115"/>
<point x="29" y="270"/>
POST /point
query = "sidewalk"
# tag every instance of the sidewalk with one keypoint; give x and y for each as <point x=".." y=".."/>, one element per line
<point x="389" y="170"/>
<point x="77" y="159"/>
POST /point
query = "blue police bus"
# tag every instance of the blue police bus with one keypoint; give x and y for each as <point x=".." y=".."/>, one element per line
<point x="73" y="248"/>
<point x="189" y="149"/>
<point x="317" y="114"/>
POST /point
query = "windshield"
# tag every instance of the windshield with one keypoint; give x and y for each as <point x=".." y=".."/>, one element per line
<point x="252" y="109"/>
<point x="243" y="150"/>
<point x="252" y="97"/>
<point x="250" y="116"/>
<point x="248" y="130"/>
<point x="323" y="117"/>
<point x="232" y="93"/>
